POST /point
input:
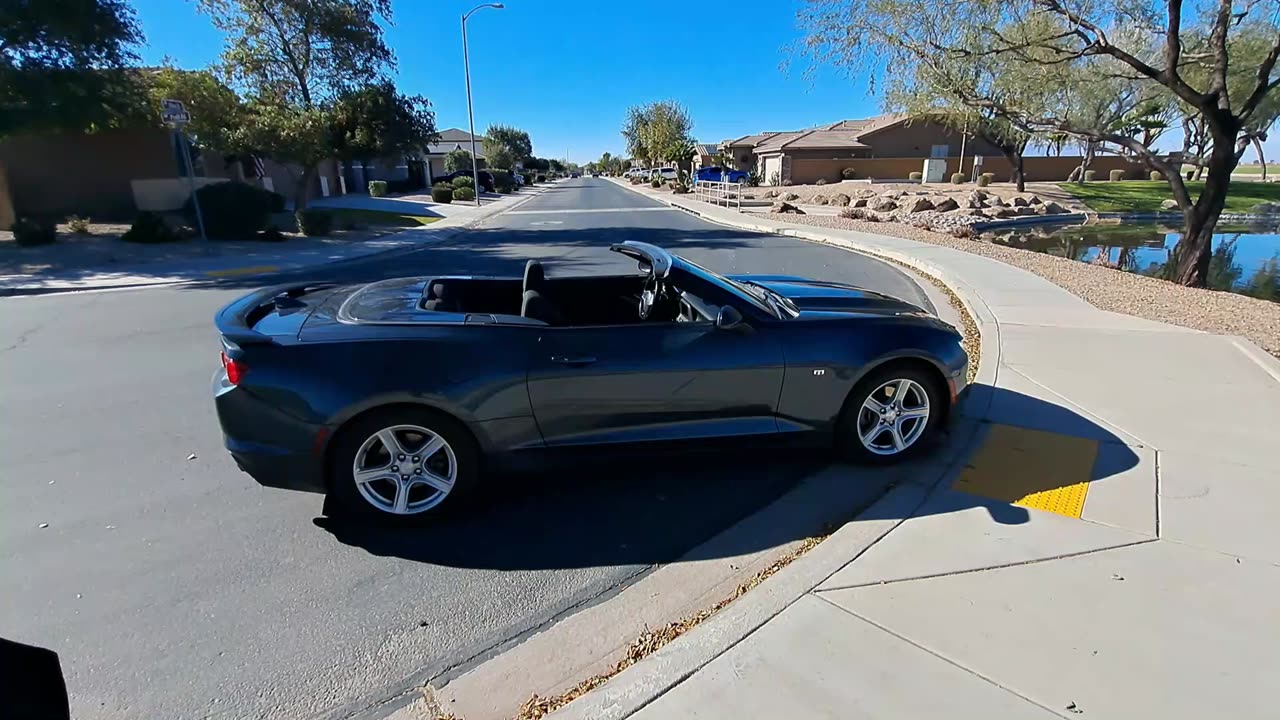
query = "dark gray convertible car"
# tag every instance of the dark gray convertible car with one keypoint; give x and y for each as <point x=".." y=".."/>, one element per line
<point x="393" y="396"/>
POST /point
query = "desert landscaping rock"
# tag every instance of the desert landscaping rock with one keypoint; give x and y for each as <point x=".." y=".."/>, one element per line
<point x="785" y="207"/>
<point x="840" y="200"/>
<point x="790" y="196"/>
<point x="819" y="200"/>
<point x="919" y="204"/>
<point x="945" y="204"/>
<point x="1035" y="200"/>
<point x="859" y="202"/>
<point x="995" y="200"/>
<point x="1169" y="204"/>
<point x="882" y="204"/>
<point x="1019" y="202"/>
<point x="1051" y="208"/>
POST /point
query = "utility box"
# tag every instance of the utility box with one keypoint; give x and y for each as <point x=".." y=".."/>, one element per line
<point x="935" y="169"/>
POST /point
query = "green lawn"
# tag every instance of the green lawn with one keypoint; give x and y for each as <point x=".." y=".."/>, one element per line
<point x="378" y="217"/>
<point x="1146" y="196"/>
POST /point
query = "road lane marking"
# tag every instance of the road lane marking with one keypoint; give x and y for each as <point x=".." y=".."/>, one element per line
<point x="254" y="270"/>
<point x="1031" y="468"/>
<point x="576" y="211"/>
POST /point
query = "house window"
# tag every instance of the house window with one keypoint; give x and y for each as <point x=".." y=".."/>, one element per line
<point x="940" y="151"/>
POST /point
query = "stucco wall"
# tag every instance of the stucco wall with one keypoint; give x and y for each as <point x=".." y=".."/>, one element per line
<point x="804" y="172"/>
<point x="917" y="138"/>
<point x="62" y="174"/>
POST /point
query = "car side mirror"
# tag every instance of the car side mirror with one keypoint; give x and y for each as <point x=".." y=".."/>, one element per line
<point x="729" y="318"/>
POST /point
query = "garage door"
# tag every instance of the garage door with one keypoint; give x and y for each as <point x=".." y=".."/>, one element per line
<point x="772" y="169"/>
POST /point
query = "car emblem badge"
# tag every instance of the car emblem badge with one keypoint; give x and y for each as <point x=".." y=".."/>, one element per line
<point x="820" y="372"/>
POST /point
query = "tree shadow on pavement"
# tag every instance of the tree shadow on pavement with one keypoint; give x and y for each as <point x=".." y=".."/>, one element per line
<point x="643" y="507"/>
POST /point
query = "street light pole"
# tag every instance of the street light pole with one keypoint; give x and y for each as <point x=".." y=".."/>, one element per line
<point x="471" y="117"/>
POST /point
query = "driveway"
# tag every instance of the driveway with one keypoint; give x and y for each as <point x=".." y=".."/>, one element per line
<point x="172" y="586"/>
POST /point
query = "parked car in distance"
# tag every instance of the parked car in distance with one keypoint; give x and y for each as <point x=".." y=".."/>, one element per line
<point x="486" y="178"/>
<point x="666" y="173"/>
<point x="719" y="174"/>
<point x="636" y="172"/>
<point x="393" y="396"/>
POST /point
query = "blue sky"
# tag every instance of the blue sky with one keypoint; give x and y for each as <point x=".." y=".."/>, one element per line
<point x="574" y="99"/>
<point x="722" y="59"/>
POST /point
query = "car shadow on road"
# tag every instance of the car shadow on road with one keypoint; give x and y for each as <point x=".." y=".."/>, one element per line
<point x="646" y="507"/>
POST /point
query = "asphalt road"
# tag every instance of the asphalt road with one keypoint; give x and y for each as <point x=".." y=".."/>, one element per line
<point x="172" y="586"/>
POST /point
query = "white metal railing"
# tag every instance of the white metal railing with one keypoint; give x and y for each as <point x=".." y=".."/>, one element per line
<point x="728" y="194"/>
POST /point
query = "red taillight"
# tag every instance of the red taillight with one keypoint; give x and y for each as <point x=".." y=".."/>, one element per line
<point x="235" y="369"/>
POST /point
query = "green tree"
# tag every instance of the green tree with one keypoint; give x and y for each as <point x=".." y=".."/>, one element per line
<point x="504" y="145"/>
<point x="293" y="59"/>
<point x="216" y="111"/>
<point x="1041" y="51"/>
<point x="377" y="121"/>
<point x="555" y="166"/>
<point x="457" y="159"/>
<point x="61" y="64"/>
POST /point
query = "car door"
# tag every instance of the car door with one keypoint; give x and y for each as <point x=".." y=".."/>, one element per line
<point x="654" y="381"/>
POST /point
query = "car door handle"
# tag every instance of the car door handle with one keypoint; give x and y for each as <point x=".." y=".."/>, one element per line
<point x="572" y="359"/>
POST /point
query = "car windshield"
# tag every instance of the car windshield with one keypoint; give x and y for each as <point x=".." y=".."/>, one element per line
<point x="760" y="296"/>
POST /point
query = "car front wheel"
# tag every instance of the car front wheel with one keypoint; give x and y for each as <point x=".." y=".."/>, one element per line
<point x="402" y="465"/>
<point x="890" y="415"/>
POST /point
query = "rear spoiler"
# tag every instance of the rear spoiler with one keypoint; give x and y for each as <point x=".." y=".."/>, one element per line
<point x="233" y="320"/>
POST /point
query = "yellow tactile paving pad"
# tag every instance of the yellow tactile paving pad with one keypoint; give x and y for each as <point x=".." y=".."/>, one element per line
<point x="1032" y="468"/>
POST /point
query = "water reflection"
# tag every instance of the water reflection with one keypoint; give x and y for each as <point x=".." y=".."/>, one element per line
<point x="1246" y="258"/>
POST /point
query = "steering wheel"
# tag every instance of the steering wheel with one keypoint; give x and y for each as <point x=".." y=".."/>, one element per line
<point x="648" y="297"/>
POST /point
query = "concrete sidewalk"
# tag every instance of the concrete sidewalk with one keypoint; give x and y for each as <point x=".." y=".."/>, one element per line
<point x="1106" y="550"/>
<point x="193" y="260"/>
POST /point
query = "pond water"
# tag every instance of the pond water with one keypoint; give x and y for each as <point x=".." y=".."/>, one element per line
<point x="1246" y="258"/>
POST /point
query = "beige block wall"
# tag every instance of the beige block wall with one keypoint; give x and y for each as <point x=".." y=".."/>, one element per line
<point x="165" y="194"/>
<point x="7" y="215"/>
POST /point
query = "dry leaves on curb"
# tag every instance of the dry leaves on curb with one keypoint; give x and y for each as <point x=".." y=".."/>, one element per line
<point x="650" y="641"/>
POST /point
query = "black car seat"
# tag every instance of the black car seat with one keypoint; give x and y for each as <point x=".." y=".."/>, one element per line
<point x="439" y="298"/>
<point x="534" y="303"/>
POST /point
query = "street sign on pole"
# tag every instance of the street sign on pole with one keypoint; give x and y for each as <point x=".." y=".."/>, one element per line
<point x="175" y="114"/>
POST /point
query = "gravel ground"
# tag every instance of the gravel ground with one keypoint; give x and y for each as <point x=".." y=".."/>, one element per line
<point x="1108" y="289"/>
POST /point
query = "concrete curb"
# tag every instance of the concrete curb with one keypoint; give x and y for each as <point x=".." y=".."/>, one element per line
<point x="437" y="235"/>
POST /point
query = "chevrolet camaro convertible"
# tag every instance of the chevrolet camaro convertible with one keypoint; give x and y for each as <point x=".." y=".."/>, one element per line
<point x="394" y="397"/>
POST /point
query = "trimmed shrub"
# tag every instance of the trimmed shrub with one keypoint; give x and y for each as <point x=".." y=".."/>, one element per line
<point x="465" y="181"/>
<point x="957" y="178"/>
<point x="149" y="227"/>
<point x="984" y="179"/>
<point x="820" y="181"/>
<point x="78" y="225"/>
<point x="442" y="193"/>
<point x="234" y="210"/>
<point x="1116" y="175"/>
<point x="656" y="182"/>
<point x="464" y="193"/>
<point x="502" y="181"/>
<point x="30" y="233"/>
<point x="377" y="188"/>
<point x="314" y="222"/>
<point x="1089" y="175"/>
<point x="848" y="173"/>
<point x="915" y="176"/>
<point x="753" y="179"/>
<point x="1156" y="175"/>
<point x="636" y="181"/>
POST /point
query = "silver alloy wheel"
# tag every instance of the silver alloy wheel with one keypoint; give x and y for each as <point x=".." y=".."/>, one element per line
<point x="405" y="469"/>
<point x="893" y="417"/>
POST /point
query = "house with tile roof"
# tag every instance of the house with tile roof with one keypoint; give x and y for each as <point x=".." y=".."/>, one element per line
<point x="803" y="156"/>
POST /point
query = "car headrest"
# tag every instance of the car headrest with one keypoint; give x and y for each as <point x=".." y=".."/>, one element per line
<point x="533" y="275"/>
<point x="438" y="291"/>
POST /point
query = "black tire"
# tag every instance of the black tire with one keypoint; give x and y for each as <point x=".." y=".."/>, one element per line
<point x="345" y="498"/>
<point x="853" y="420"/>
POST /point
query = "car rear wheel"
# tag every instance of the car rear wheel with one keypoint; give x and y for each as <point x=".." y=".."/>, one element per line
<point x="402" y="465"/>
<point x="890" y="415"/>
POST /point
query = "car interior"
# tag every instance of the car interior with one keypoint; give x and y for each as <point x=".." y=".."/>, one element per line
<point x="572" y="301"/>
